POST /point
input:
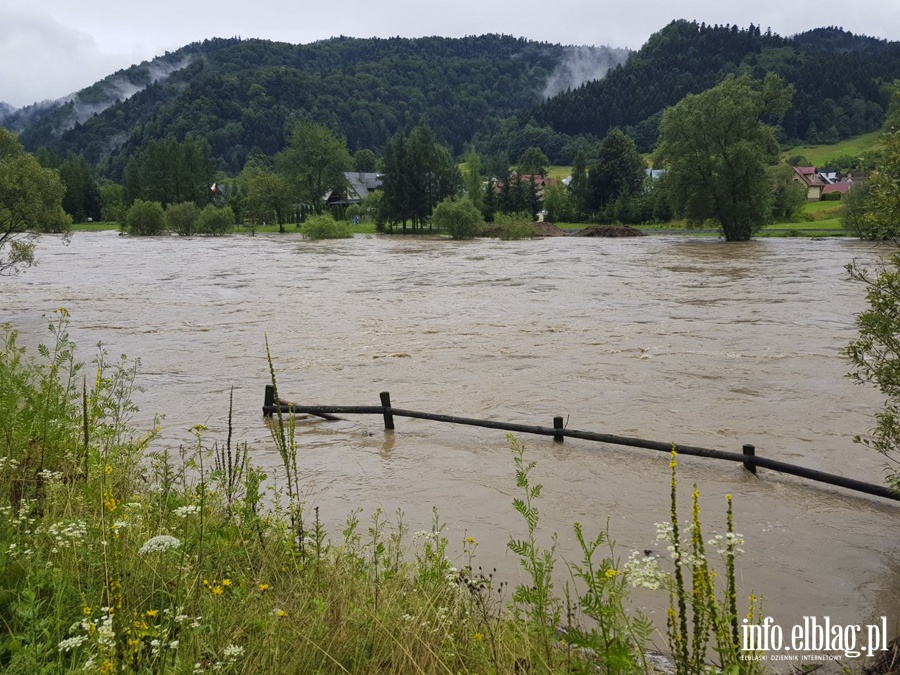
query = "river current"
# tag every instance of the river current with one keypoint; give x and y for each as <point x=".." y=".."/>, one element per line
<point x="666" y="338"/>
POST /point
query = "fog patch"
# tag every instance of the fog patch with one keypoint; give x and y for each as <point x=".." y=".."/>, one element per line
<point x="583" y="64"/>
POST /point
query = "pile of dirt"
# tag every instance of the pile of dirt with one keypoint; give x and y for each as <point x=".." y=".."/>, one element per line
<point x="549" y="230"/>
<point x="609" y="231"/>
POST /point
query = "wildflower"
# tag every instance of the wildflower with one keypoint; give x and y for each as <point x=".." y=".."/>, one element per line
<point x="152" y="613"/>
<point x="159" y="544"/>
<point x="233" y="652"/>
<point x="72" y="643"/>
<point x="264" y="587"/>
<point x="612" y="574"/>
<point x="469" y="540"/>
<point x="86" y="610"/>
<point x="226" y="582"/>
<point x="478" y="637"/>
<point x="185" y="511"/>
<point x="107" y="470"/>
<point x="644" y="572"/>
<point x="217" y="590"/>
<point x="106" y="666"/>
<point x="280" y="613"/>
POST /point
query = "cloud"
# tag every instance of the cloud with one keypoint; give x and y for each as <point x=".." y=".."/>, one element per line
<point x="41" y="58"/>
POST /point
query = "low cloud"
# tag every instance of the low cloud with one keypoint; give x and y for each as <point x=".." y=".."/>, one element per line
<point x="583" y="64"/>
<point x="42" y="59"/>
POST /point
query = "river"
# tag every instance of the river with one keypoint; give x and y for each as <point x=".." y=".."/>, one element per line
<point x="666" y="338"/>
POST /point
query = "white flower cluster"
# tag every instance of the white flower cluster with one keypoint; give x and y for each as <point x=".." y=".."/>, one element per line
<point x="185" y="511"/>
<point x="67" y="534"/>
<point x="160" y="544"/>
<point x="729" y="544"/>
<point x="51" y="476"/>
<point x="232" y="653"/>
<point x="644" y="572"/>
<point x="71" y="643"/>
<point x="8" y="462"/>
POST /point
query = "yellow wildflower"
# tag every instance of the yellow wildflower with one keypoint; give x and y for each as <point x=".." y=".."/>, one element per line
<point x="107" y="470"/>
<point x="226" y="582"/>
<point x="106" y="667"/>
<point x="152" y="612"/>
<point x="264" y="587"/>
<point x="217" y="590"/>
<point x="280" y="613"/>
<point x="469" y="540"/>
<point x="612" y="574"/>
<point x="478" y="637"/>
<point x="86" y="610"/>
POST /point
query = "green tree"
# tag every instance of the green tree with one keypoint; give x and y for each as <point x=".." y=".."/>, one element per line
<point x="82" y="198"/>
<point x="30" y="203"/>
<point x="533" y="162"/>
<point x="215" y="220"/>
<point x="267" y="198"/>
<point x="717" y="145"/>
<point x="112" y="203"/>
<point x="364" y="161"/>
<point x="788" y="195"/>
<point x="325" y="227"/>
<point x="473" y="180"/>
<point x="618" y="171"/>
<point x="314" y="163"/>
<point x="458" y="217"/>
<point x="145" y="219"/>
<point x="182" y="218"/>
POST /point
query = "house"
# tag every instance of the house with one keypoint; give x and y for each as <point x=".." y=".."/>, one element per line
<point x="807" y="176"/>
<point x="359" y="185"/>
<point x="540" y="182"/>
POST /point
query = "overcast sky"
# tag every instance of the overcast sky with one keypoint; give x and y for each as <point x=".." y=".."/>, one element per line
<point x="50" y="48"/>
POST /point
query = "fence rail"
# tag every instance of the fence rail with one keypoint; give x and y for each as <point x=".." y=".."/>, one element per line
<point x="747" y="456"/>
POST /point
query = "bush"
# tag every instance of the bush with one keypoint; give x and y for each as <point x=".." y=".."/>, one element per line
<point x="509" y="226"/>
<point x="145" y="219"/>
<point x="459" y="217"/>
<point x="325" y="227"/>
<point x="216" y="221"/>
<point x="182" y="218"/>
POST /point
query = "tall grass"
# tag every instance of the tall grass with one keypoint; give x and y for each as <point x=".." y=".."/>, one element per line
<point x="118" y="559"/>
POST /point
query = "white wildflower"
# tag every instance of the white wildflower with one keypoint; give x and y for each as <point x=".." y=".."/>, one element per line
<point x="185" y="511"/>
<point x="159" y="544"/>
<point x="72" y="643"/>
<point x="233" y="652"/>
<point x="644" y="572"/>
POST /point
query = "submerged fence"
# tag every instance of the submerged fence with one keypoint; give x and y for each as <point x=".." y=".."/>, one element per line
<point x="747" y="456"/>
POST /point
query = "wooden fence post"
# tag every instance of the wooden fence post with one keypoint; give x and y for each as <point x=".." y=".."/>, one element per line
<point x="558" y="430"/>
<point x="388" y="418"/>
<point x="749" y="453"/>
<point x="268" y="400"/>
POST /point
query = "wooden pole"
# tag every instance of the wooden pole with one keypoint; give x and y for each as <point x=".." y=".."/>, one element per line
<point x="749" y="458"/>
<point x="388" y="417"/>
<point x="269" y="401"/>
<point x="558" y="430"/>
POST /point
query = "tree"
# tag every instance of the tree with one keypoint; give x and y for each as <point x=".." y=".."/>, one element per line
<point x="82" y="198"/>
<point x="533" y="162"/>
<point x="266" y="198"/>
<point x="618" y="171"/>
<point x="145" y="219"/>
<point x="30" y="202"/>
<point x="215" y="220"/>
<point x="314" y="163"/>
<point x="182" y="218"/>
<point x="472" y="180"/>
<point x="717" y="145"/>
<point x="364" y="161"/>
<point x="458" y="217"/>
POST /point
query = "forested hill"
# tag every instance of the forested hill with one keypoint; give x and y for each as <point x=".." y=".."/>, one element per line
<point x="840" y="81"/>
<point x="244" y="96"/>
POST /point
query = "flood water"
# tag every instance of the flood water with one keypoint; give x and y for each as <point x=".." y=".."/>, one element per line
<point x="666" y="338"/>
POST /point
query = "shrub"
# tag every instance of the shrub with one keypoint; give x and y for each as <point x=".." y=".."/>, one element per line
<point x="325" y="227"/>
<point x="182" y="218"/>
<point x="145" y="219"/>
<point x="458" y="217"/>
<point x="215" y="220"/>
<point x="511" y="226"/>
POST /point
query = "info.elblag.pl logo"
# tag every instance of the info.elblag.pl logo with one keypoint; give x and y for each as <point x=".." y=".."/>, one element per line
<point x="815" y="636"/>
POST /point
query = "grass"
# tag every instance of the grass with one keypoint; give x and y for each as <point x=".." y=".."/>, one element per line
<point x="820" y="155"/>
<point x="118" y="558"/>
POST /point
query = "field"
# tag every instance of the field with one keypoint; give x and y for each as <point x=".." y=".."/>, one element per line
<point x="820" y="155"/>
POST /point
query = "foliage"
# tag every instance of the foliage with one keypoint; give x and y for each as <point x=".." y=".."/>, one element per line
<point x="325" y="227"/>
<point x="618" y="171"/>
<point x="418" y="173"/>
<point x="364" y="161"/>
<point x="112" y="201"/>
<point x="30" y="202"/>
<point x="170" y="172"/>
<point x="182" y="218"/>
<point x="853" y="214"/>
<point x="533" y="161"/>
<point x="314" y="164"/>
<point x="473" y="180"/>
<point x="82" y="198"/>
<point x="267" y="197"/>
<point x="511" y="226"/>
<point x="145" y="219"/>
<point x="788" y="195"/>
<point x="215" y="220"/>
<point x="458" y="217"/>
<point x="875" y="357"/>
<point x="718" y="146"/>
<point x="560" y="205"/>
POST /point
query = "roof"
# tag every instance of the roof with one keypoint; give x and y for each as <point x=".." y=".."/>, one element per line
<point x="808" y="175"/>
<point x="362" y="183"/>
<point x="843" y="188"/>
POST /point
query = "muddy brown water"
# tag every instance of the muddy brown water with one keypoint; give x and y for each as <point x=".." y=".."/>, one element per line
<point x="665" y="338"/>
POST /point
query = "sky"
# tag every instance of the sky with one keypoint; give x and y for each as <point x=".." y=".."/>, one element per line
<point x="51" y="48"/>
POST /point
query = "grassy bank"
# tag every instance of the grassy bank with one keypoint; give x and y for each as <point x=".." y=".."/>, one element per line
<point x="118" y="558"/>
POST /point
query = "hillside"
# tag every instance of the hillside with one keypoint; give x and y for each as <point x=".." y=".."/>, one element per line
<point x="840" y="81"/>
<point x="244" y="96"/>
